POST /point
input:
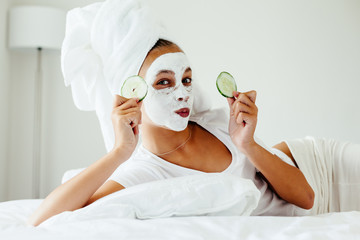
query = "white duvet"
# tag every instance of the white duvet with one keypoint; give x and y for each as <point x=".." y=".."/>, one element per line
<point x="337" y="226"/>
<point x="209" y="206"/>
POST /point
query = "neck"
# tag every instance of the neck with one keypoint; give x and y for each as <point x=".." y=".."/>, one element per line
<point x="159" y="140"/>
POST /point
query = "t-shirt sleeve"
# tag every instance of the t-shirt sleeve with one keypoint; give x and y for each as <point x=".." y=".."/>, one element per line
<point x="283" y="156"/>
<point x="131" y="173"/>
<point x="276" y="152"/>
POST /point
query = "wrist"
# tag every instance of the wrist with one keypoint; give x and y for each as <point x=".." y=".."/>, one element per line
<point x="120" y="152"/>
<point x="249" y="147"/>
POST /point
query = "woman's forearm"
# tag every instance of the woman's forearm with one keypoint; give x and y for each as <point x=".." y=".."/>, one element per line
<point x="74" y="193"/>
<point x="287" y="181"/>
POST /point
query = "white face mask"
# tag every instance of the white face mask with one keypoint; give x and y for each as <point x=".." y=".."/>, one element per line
<point x="171" y="106"/>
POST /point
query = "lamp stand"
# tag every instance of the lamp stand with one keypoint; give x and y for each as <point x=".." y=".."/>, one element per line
<point x="36" y="164"/>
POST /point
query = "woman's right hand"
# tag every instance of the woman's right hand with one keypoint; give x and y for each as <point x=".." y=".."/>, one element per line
<point x="91" y="183"/>
<point x="126" y="117"/>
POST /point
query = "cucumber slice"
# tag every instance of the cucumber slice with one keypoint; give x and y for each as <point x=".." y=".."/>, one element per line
<point x="134" y="87"/>
<point x="226" y="84"/>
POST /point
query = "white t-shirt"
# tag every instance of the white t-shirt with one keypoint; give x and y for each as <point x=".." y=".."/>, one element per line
<point x="145" y="166"/>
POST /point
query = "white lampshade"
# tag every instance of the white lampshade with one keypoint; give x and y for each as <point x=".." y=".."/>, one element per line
<point x="36" y="26"/>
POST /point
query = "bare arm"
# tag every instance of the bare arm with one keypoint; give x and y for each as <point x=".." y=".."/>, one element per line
<point x="76" y="192"/>
<point x="89" y="185"/>
<point x="282" y="146"/>
<point x="287" y="181"/>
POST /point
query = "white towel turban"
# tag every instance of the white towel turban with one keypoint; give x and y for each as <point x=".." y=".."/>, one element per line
<point x="105" y="43"/>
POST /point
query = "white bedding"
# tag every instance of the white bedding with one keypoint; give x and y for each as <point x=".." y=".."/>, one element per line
<point x="206" y="206"/>
<point x="13" y="215"/>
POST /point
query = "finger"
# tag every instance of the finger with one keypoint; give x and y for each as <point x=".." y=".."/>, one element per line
<point x="236" y="94"/>
<point x="243" y="110"/>
<point x="243" y="98"/>
<point x="127" y="110"/>
<point x="230" y="102"/>
<point x="241" y="107"/>
<point x="131" y="117"/>
<point x="119" y="100"/>
<point x="140" y="103"/>
<point x="236" y="108"/>
<point x="252" y="95"/>
<point x="135" y="118"/>
<point x="131" y="103"/>
<point x="244" y="118"/>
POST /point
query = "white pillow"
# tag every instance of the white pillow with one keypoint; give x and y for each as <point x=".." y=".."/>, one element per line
<point x="215" y="194"/>
<point x="205" y="194"/>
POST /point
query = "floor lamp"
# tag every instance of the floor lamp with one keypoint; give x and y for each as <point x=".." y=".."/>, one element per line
<point x="38" y="28"/>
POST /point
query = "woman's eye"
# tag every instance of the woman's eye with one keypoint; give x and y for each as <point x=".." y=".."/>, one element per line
<point x="163" y="82"/>
<point x="186" y="80"/>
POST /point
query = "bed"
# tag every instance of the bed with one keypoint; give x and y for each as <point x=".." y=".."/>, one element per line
<point x="205" y="206"/>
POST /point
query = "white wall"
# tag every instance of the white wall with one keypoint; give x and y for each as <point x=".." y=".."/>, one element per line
<point x="4" y="106"/>
<point x="70" y="138"/>
<point x="302" y="57"/>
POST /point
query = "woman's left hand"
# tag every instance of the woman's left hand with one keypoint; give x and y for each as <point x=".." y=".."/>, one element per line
<point x="243" y="119"/>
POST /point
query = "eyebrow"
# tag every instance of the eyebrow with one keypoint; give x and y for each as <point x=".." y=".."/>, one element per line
<point x="171" y="72"/>
<point x="165" y="71"/>
<point x="188" y="69"/>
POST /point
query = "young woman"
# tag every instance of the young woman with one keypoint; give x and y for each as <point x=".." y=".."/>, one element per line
<point x="110" y="40"/>
<point x="174" y="146"/>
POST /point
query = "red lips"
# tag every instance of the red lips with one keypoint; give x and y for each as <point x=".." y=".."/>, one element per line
<point x="183" y="112"/>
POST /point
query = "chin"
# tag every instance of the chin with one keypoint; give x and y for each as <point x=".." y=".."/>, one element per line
<point x="177" y="127"/>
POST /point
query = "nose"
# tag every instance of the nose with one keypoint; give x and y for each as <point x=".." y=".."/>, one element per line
<point x="185" y="99"/>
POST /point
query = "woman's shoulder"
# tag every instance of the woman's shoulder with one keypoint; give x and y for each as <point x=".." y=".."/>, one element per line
<point x="139" y="168"/>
